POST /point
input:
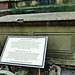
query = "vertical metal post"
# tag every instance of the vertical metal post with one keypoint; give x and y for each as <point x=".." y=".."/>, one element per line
<point x="38" y="71"/>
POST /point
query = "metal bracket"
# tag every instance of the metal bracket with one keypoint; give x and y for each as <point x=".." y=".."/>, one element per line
<point x="20" y="20"/>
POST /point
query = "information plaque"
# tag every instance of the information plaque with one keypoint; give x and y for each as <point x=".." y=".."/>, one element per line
<point x="25" y="51"/>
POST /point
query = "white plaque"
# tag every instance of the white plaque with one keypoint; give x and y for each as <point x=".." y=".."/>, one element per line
<point x="25" y="51"/>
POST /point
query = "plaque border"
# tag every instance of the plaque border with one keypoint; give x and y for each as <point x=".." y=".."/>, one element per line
<point x="27" y="65"/>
